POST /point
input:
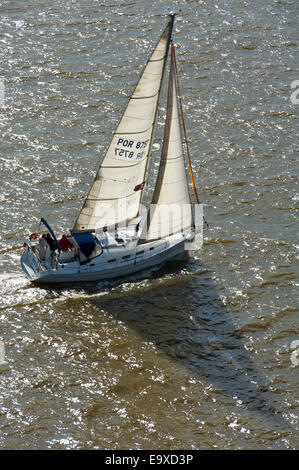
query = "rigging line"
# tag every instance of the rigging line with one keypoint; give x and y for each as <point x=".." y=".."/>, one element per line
<point x="183" y="124"/>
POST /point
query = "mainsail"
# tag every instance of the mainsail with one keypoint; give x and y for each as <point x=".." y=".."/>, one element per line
<point x="170" y="211"/>
<point x="115" y="194"/>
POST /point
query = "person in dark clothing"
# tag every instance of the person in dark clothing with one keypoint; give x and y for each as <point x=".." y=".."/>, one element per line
<point x="47" y="246"/>
<point x="50" y="241"/>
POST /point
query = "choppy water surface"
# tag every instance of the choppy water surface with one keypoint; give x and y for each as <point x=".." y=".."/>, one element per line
<point x="198" y="355"/>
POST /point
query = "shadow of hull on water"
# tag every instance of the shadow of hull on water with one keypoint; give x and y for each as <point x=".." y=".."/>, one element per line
<point x="179" y="310"/>
<point x="184" y="316"/>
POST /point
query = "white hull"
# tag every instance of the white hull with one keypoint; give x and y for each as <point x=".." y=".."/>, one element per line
<point x="114" y="262"/>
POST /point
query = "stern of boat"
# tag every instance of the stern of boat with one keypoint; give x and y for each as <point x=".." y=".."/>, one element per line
<point x="30" y="264"/>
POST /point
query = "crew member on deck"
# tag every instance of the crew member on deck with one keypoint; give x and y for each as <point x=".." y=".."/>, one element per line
<point x="50" y="242"/>
<point x="47" y="247"/>
<point x="65" y="244"/>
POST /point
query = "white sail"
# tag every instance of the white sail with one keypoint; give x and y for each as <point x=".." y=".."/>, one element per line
<point x="115" y="194"/>
<point x="170" y="211"/>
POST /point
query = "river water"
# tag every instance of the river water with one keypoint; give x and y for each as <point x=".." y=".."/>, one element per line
<point x="198" y="355"/>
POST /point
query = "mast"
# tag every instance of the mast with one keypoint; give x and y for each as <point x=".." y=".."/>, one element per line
<point x="115" y="194"/>
<point x="172" y="17"/>
<point x="170" y="210"/>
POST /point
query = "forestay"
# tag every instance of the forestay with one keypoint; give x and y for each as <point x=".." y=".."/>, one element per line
<point x="114" y="197"/>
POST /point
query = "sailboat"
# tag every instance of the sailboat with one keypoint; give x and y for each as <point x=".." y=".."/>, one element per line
<point x="114" y="234"/>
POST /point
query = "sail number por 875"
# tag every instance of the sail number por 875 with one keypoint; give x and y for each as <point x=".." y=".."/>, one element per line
<point x="127" y="146"/>
<point x="130" y="144"/>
